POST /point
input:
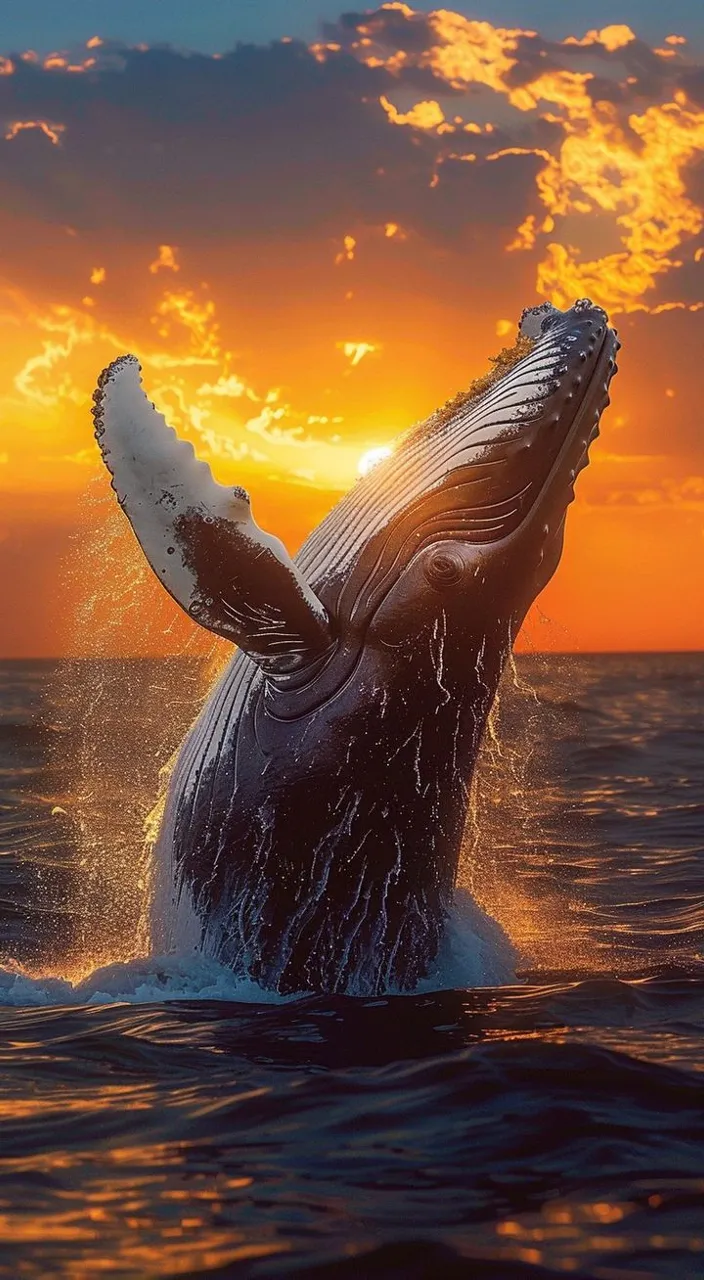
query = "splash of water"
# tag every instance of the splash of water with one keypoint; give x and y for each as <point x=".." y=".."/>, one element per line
<point x="505" y="824"/>
<point x="120" y="720"/>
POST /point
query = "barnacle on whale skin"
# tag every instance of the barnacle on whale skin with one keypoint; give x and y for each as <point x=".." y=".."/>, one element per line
<point x="501" y="364"/>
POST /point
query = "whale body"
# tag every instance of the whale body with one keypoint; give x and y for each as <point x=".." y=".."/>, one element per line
<point x="314" y="816"/>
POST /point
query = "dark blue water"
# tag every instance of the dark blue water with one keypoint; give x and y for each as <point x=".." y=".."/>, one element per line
<point x="156" y="1120"/>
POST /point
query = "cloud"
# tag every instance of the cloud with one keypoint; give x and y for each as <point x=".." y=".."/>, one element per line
<point x="52" y="131"/>
<point x="230" y="386"/>
<point x="609" y="156"/>
<point x="416" y="177"/>
<point x="290" y="140"/>
<point x="165" y="260"/>
<point x="356" y="351"/>
<point x="653" y="492"/>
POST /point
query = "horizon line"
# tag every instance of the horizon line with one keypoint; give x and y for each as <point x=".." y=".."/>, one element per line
<point x="519" y="653"/>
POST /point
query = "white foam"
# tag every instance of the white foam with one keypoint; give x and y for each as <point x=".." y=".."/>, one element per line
<point x="19" y="989"/>
<point x="475" y="953"/>
<point x="144" y="981"/>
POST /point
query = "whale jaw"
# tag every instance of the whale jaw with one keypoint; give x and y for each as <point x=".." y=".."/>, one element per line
<point x="471" y="503"/>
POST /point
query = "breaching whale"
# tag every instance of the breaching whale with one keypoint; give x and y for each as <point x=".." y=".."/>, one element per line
<point x="314" y="817"/>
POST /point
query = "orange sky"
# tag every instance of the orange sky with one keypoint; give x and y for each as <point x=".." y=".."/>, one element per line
<point x="311" y="248"/>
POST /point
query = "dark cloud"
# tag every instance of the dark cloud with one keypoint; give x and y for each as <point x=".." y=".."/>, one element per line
<point x="263" y="140"/>
<point x="283" y="140"/>
<point x="390" y="27"/>
<point x="691" y="81"/>
<point x="260" y="139"/>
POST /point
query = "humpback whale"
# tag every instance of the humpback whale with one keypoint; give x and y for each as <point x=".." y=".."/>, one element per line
<point x="314" y="817"/>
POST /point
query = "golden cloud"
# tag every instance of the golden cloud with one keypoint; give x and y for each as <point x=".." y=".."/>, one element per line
<point x="165" y="259"/>
<point x="49" y="128"/>
<point x="631" y="167"/>
<point x="356" y="351"/>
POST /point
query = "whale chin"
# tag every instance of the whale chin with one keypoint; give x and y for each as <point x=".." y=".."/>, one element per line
<point x="481" y="487"/>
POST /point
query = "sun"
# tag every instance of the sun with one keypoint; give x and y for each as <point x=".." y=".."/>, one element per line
<point x="372" y="458"/>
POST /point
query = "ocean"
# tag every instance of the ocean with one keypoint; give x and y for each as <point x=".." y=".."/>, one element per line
<point x="159" y="1117"/>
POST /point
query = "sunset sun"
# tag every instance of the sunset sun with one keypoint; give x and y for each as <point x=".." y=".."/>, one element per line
<point x="372" y="458"/>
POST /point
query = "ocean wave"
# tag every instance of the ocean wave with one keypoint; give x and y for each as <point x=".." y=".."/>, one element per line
<point x="476" y="953"/>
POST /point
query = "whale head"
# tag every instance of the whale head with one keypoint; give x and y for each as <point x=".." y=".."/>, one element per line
<point x="462" y="526"/>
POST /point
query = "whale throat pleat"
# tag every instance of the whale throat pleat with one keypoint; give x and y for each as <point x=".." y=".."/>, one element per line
<point x="200" y="537"/>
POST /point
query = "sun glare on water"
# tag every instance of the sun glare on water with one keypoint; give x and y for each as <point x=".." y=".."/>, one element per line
<point x="372" y="458"/>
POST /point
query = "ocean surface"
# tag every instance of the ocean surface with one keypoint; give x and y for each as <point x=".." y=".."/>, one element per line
<point x="158" y="1118"/>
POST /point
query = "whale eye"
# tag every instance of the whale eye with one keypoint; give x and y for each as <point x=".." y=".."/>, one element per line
<point x="444" y="567"/>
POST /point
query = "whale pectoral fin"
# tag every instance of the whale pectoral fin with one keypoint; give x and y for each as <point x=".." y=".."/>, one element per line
<point x="199" y="536"/>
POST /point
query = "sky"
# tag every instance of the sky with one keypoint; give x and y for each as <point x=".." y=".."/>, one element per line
<point x="210" y="26"/>
<point x="313" y="238"/>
